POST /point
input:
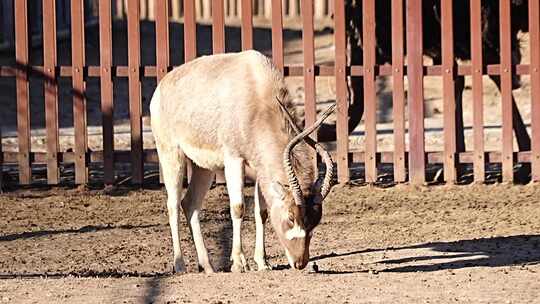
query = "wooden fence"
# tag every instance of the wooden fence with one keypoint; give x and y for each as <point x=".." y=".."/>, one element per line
<point x="232" y="9"/>
<point x="411" y="163"/>
<point x="262" y="10"/>
<point x="35" y="11"/>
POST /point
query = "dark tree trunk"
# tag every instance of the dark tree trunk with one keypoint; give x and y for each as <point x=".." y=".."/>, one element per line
<point x="355" y="85"/>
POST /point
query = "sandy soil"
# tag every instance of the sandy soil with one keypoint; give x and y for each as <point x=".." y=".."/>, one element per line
<point x="464" y="244"/>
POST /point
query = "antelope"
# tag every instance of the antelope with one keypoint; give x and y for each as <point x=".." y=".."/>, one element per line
<point x="233" y="112"/>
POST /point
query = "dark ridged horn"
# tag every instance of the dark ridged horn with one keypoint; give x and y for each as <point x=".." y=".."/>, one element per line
<point x="293" y="180"/>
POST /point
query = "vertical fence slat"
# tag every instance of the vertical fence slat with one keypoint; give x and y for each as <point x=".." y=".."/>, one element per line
<point x="277" y="34"/>
<point x="477" y="90"/>
<point x="416" y="92"/>
<point x="398" y="93"/>
<point x="134" y="62"/>
<point x="162" y="38"/>
<point x="506" y="91"/>
<point x="370" y="95"/>
<point x="50" y="89"/>
<point x="190" y="31"/>
<point x="308" y="41"/>
<point x="162" y="44"/>
<point x="449" y="100"/>
<point x="218" y="27"/>
<point x="342" y="124"/>
<point x="23" y="97"/>
<point x="247" y="25"/>
<point x="534" y="38"/>
<point x="107" y="102"/>
<point x="79" y="99"/>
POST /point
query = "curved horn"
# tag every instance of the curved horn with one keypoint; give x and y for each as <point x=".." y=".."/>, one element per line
<point x="293" y="180"/>
<point x="329" y="170"/>
<point x="327" y="159"/>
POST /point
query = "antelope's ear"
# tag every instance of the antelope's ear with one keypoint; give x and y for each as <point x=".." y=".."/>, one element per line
<point x="278" y="190"/>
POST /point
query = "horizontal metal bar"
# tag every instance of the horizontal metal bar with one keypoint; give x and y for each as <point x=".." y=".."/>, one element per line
<point x="150" y="156"/>
<point x="291" y="70"/>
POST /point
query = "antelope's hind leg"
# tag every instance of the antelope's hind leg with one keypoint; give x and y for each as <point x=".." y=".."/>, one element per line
<point x="201" y="180"/>
<point x="261" y="215"/>
<point x="234" y="177"/>
<point x="172" y="161"/>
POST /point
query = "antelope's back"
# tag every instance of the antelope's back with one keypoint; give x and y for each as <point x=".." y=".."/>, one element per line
<point x="217" y="102"/>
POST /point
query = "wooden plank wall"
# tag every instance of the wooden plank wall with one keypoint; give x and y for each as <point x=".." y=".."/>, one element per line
<point x="409" y="157"/>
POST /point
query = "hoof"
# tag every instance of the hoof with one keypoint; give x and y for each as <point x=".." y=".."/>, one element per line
<point x="239" y="267"/>
<point x="179" y="270"/>
<point x="207" y="269"/>
<point x="263" y="266"/>
<point x="179" y="267"/>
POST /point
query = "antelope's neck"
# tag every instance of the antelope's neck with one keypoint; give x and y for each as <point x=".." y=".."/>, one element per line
<point x="269" y="168"/>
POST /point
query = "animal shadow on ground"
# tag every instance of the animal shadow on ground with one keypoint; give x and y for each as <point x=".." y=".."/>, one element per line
<point x="483" y="252"/>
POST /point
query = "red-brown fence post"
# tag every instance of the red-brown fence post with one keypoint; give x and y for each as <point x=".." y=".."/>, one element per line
<point x="218" y="27"/>
<point x="107" y="102"/>
<point x="477" y="88"/>
<point x="162" y="44"/>
<point x="308" y="43"/>
<point x="449" y="98"/>
<point x="277" y="34"/>
<point x="190" y="31"/>
<point x="398" y="93"/>
<point x="79" y="89"/>
<point x="134" y="74"/>
<point x="50" y="89"/>
<point x="23" y="94"/>
<point x="370" y="91"/>
<point x="506" y="71"/>
<point x="534" y="38"/>
<point x="416" y="92"/>
<point x="247" y="25"/>
<point x="342" y="124"/>
<point x="162" y="38"/>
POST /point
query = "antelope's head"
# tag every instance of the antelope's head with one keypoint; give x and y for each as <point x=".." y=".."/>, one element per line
<point x="294" y="215"/>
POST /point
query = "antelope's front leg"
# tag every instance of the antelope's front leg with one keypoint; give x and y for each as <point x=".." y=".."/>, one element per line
<point x="261" y="215"/>
<point x="234" y="176"/>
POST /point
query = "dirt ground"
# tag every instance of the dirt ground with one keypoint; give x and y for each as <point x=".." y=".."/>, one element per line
<point x="464" y="244"/>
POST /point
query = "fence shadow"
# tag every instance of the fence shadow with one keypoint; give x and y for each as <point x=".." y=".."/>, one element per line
<point x="483" y="252"/>
<point x="85" y="229"/>
<point x="87" y="274"/>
